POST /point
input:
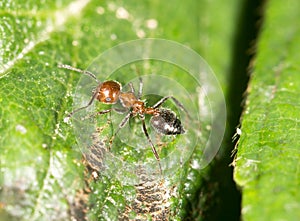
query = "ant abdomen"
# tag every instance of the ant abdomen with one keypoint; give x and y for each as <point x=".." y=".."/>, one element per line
<point x="166" y="122"/>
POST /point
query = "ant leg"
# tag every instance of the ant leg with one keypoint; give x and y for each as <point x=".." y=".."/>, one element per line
<point x="65" y="66"/>
<point x="100" y="113"/>
<point x="151" y="144"/>
<point x="97" y="113"/>
<point x="177" y="102"/>
<point x="140" y="88"/>
<point x="89" y="104"/>
<point x="131" y="87"/>
<point x="140" y="92"/>
<point x="123" y="122"/>
<point x="121" y="125"/>
<point x="105" y="112"/>
<point x="118" y="110"/>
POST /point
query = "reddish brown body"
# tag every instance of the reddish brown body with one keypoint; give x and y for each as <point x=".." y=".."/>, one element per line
<point x="108" y="92"/>
<point x="163" y="120"/>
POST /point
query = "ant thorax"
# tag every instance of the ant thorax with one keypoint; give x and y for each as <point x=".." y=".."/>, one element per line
<point x="127" y="99"/>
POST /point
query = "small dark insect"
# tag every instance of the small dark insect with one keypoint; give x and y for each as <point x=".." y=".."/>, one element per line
<point x="164" y="121"/>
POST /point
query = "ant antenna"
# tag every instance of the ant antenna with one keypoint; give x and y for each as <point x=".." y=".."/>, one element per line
<point x="65" y="66"/>
<point x="89" y="104"/>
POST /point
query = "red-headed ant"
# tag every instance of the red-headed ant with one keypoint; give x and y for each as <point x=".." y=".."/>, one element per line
<point x="163" y="120"/>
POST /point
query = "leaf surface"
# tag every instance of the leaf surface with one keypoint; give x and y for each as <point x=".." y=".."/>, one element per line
<point x="267" y="163"/>
<point x="41" y="168"/>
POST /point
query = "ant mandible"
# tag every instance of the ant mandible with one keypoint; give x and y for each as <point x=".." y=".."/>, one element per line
<point x="164" y="121"/>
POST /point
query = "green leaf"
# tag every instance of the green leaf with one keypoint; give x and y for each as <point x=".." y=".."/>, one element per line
<point x="41" y="168"/>
<point x="267" y="163"/>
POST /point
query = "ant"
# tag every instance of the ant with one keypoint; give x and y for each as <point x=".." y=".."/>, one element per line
<point x="163" y="120"/>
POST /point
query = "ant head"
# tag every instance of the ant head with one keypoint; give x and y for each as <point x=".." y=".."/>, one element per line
<point x="109" y="92"/>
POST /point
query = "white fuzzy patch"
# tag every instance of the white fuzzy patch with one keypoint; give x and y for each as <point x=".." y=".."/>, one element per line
<point x="21" y="129"/>
<point x="169" y="128"/>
